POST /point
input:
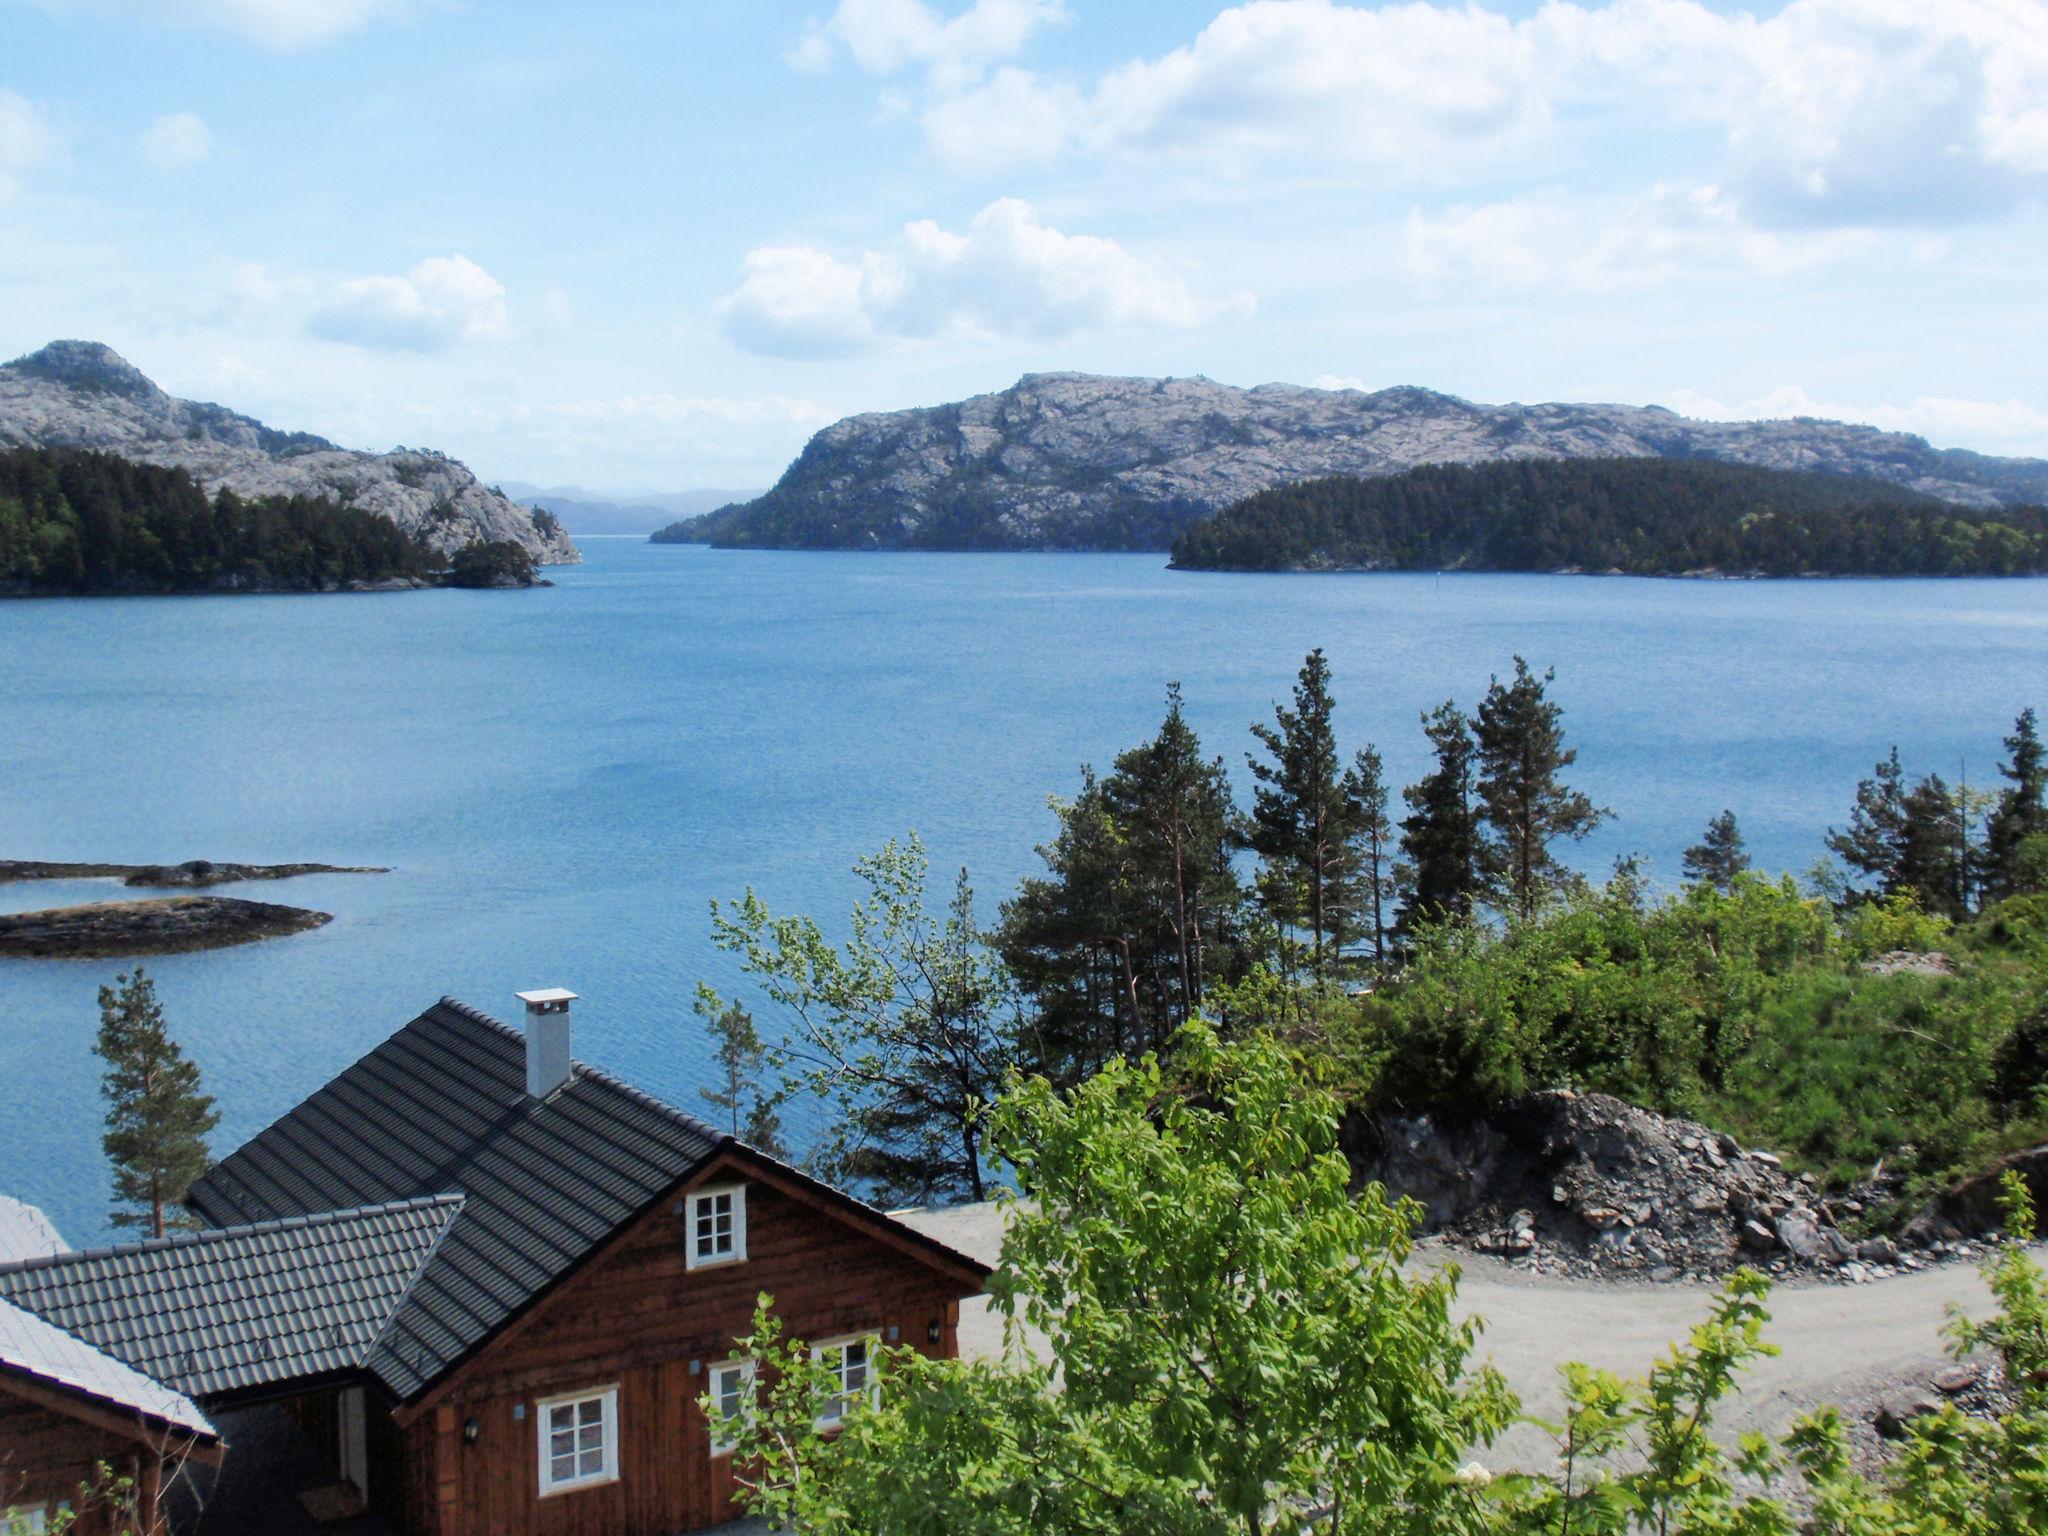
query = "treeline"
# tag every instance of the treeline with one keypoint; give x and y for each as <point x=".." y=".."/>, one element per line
<point x="83" y="523"/>
<point x="1640" y="516"/>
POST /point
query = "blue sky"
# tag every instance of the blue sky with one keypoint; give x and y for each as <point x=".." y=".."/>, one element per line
<point x="654" y="246"/>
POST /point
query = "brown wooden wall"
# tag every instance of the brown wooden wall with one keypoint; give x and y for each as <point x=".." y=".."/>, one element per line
<point x="637" y="1318"/>
<point x="47" y="1456"/>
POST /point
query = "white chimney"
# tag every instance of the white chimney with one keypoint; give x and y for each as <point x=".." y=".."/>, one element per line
<point x="547" y="1039"/>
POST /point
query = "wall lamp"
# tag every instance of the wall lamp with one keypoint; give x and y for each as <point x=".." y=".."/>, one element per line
<point x="933" y="1331"/>
<point x="470" y="1430"/>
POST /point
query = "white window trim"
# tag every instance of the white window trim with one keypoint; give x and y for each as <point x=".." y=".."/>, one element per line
<point x="874" y="1386"/>
<point x="610" y="1474"/>
<point x="746" y="1369"/>
<point x="691" y="1258"/>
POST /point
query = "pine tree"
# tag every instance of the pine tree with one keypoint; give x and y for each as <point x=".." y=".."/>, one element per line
<point x="1372" y="835"/>
<point x="1299" y="821"/>
<point x="1934" y="852"/>
<point x="2021" y="812"/>
<point x="1519" y="739"/>
<point x="1719" y="856"/>
<point x="743" y="1058"/>
<point x="157" y="1119"/>
<point x="1440" y="846"/>
<point x="1877" y="824"/>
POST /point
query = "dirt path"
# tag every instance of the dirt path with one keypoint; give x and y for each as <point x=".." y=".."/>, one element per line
<point x="1842" y="1344"/>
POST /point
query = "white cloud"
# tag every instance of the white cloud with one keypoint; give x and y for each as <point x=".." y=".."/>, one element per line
<point x="173" y="142"/>
<point x="27" y="141"/>
<point x="442" y="301"/>
<point x="1553" y="242"/>
<point x="1007" y="274"/>
<point x="883" y="36"/>
<point x="285" y="25"/>
<point x="1992" y="426"/>
<point x="1830" y="113"/>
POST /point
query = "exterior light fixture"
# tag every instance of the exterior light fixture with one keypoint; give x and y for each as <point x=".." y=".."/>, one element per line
<point x="470" y="1430"/>
<point x="933" y="1331"/>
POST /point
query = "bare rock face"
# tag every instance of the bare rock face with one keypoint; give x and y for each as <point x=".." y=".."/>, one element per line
<point x="1074" y="461"/>
<point x="80" y="394"/>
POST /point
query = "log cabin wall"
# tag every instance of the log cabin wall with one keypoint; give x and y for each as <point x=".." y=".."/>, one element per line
<point x="636" y="1320"/>
<point x="47" y="1457"/>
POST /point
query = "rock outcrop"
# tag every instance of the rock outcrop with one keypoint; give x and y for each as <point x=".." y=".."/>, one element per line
<point x="166" y="925"/>
<point x="1076" y="461"/>
<point x="80" y="394"/>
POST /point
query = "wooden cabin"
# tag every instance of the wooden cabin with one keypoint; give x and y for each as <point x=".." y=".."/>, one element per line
<point x="82" y="1432"/>
<point x="496" y="1283"/>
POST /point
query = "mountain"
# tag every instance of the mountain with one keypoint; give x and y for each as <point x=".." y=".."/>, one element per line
<point x="1641" y="516"/>
<point x="80" y="394"/>
<point x="1078" y="461"/>
<point x="582" y="511"/>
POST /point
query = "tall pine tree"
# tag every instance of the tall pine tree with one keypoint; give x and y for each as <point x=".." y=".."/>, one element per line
<point x="1372" y="836"/>
<point x="1718" y="857"/>
<point x="157" y="1119"/>
<point x="1300" y="822"/>
<point x="2021" y="812"/>
<point x="1519" y="736"/>
<point x="1908" y="839"/>
<point x="1440" y="836"/>
<point x="742" y="1059"/>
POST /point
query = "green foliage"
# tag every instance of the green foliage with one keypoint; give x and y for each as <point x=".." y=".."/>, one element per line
<point x="78" y="522"/>
<point x="905" y="1034"/>
<point x="743" y="1057"/>
<point x="1518" y="734"/>
<point x="1911" y="840"/>
<point x="1643" y="516"/>
<point x="157" y="1119"/>
<point x="2016" y="836"/>
<point x="1441" y="835"/>
<point x="1301" y="822"/>
<point x="498" y="563"/>
<point x="1718" y="857"/>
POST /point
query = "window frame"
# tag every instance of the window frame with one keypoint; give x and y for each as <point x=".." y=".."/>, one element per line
<point x="543" y="1433"/>
<point x="692" y="1259"/>
<point x="870" y="1387"/>
<point x="746" y="1368"/>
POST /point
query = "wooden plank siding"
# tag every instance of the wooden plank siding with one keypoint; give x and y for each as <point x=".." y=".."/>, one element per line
<point x="50" y="1455"/>
<point x="637" y="1318"/>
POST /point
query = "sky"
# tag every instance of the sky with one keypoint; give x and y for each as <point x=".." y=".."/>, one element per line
<point x="654" y="246"/>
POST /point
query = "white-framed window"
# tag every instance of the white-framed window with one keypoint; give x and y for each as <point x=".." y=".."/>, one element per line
<point x="851" y="1363"/>
<point x="579" y="1440"/>
<point x="728" y="1395"/>
<point x="33" y="1518"/>
<point x="717" y="1226"/>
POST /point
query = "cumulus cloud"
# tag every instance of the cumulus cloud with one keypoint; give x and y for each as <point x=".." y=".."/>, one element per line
<point x="27" y="141"/>
<point x="1994" y="426"/>
<point x="284" y="25"/>
<point x="1553" y="242"/>
<point x="1008" y="273"/>
<point x="173" y="142"/>
<point x="1830" y="113"/>
<point x="442" y="301"/>
<point x="883" y="36"/>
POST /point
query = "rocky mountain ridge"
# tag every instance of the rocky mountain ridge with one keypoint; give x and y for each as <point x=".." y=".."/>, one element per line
<point x="81" y="394"/>
<point x="1081" y="461"/>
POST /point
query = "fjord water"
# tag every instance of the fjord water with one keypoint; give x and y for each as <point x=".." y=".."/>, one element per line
<point x="564" y="778"/>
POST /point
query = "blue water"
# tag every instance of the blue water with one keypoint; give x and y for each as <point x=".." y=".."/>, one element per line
<point x="564" y="779"/>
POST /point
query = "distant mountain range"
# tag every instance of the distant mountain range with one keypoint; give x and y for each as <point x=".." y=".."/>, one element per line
<point x="80" y="394"/>
<point x="582" y="511"/>
<point x="1078" y="461"/>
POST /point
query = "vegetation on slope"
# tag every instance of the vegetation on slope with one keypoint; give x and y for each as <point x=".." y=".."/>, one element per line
<point x="75" y="522"/>
<point x="1641" y="516"/>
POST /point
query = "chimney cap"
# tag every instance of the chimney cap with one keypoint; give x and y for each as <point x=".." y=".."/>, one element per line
<point x="545" y="995"/>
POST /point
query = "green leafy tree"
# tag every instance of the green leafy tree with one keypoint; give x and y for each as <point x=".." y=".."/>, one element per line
<point x="1440" y="836"/>
<point x="157" y="1119"/>
<point x="1718" y="857"/>
<point x="1908" y="839"/>
<point x="1518" y="735"/>
<point x="750" y="1114"/>
<point x="2021" y="812"/>
<point x="906" y="1032"/>
<point x="1372" y="838"/>
<point x="1300" y="820"/>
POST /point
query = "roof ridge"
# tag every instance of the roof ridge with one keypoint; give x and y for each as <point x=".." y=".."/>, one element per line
<point x="219" y="1234"/>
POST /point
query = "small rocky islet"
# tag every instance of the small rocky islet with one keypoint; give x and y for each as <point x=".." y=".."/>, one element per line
<point x="156" y="925"/>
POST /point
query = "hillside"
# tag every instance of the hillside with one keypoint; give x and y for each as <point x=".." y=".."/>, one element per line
<point x="1645" y="517"/>
<point x="582" y="511"/>
<point x="1077" y="461"/>
<point x="80" y="394"/>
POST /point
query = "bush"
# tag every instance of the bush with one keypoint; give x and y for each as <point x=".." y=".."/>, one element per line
<point x="499" y="563"/>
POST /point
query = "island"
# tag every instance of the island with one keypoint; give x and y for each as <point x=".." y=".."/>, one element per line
<point x="1632" y="516"/>
<point x="158" y="926"/>
<point x="193" y="873"/>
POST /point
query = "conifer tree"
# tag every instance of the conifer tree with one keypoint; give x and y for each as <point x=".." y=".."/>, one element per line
<point x="1372" y="835"/>
<point x="2022" y="810"/>
<point x="742" y="1058"/>
<point x="1877" y="824"/>
<point x="1440" y="849"/>
<point x="157" y="1119"/>
<point x="1519" y="741"/>
<point x="1299" y="817"/>
<point x="1718" y="857"/>
<point x="1909" y="839"/>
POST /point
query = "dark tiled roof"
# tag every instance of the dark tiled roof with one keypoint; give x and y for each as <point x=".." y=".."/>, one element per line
<point x="442" y="1107"/>
<point x="243" y="1307"/>
<point x="43" y="1352"/>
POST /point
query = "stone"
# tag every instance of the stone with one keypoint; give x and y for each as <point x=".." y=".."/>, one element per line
<point x="1957" y="1378"/>
<point x="1768" y="1159"/>
<point x="1896" y="1412"/>
<point x="1758" y="1236"/>
<point x="1878" y="1250"/>
<point x="1799" y="1235"/>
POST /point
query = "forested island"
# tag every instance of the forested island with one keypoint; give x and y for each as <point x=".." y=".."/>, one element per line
<point x="1637" y="516"/>
<point x="78" y="523"/>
